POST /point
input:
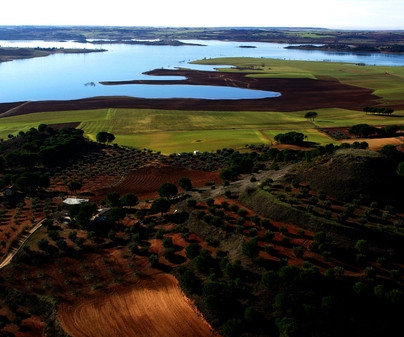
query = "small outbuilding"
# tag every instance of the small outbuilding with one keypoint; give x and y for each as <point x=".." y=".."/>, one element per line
<point x="74" y="201"/>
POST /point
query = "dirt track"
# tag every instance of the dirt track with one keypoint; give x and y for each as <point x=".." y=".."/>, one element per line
<point x="153" y="308"/>
<point x="297" y="94"/>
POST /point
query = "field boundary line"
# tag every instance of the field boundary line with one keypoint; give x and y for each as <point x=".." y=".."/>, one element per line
<point x="12" y="110"/>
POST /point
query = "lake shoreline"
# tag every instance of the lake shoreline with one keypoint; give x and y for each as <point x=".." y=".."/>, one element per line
<point x="296" y="94"/>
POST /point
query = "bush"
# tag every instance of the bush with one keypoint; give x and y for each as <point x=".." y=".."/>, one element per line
<point x="191" y="203"/>
<point x="251" y="248"/>
<point x="190" y="281"/>
<point x="232" y="327"/>
<point x="167" y="242"/>
<point x="193" y="250"/>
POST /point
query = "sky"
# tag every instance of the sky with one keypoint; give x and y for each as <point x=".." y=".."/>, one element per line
<point x="337" y="14"/>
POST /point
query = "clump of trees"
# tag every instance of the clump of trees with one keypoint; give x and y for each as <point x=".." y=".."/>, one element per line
<point x="105" y="137"/>
<point x="238" y="163"/>
<point x="378" y="111"/>
<point x="366" y="130"/>
<point x="41" y="146"/>
<point x="292" y="137"/>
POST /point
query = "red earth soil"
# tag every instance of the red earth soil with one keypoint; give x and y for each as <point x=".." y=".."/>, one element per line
<point x="145" y="181"/>
<point x="154" y="307"/>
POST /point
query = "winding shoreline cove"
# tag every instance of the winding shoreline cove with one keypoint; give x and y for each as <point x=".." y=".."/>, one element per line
<point x="67" y="76"/>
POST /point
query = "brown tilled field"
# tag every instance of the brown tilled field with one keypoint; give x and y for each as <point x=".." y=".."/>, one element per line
<point x="145" y="181"/>
<point x="152" y="308"/>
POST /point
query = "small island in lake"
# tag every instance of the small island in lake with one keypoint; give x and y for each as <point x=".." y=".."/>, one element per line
<point x="159" y="42"/>
<point x="395" y="48"/>
<point x="12" y="53"/>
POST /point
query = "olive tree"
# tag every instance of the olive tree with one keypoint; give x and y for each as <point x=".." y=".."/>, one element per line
<point x="167" y="190"/>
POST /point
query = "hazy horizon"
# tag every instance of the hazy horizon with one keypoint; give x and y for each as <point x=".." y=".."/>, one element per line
<point x="327" y="14"/>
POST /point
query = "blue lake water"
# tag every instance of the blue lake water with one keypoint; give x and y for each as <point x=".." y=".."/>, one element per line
<point x="64" y="76"/>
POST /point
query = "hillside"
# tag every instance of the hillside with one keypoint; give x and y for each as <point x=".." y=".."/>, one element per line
<point x="356" y="174"/>
<point x="263" y="242"/>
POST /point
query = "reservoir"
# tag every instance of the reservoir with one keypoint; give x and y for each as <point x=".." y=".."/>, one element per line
<point x="73" y="76"/>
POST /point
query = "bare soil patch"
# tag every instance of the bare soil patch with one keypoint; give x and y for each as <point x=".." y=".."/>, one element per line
<point x="342" y="134"/>
<point x="155" y="306"/>
<point x="145" y="181"/>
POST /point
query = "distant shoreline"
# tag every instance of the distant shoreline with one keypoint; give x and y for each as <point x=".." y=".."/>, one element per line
<point x="15" y="53"/>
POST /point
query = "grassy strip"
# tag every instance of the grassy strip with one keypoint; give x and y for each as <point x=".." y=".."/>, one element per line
<point x="177" y="131"/>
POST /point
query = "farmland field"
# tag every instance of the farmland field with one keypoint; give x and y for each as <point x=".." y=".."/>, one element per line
<point x="176" y="130"/>
<point x="155" y="307"/>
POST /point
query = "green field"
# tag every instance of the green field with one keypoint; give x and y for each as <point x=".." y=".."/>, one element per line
<point x="171" y="131"/>
<point x="387" y="82"/>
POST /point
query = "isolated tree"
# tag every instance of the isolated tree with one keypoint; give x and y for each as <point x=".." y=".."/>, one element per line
<point x="185" y="183"/>
<point x="311" y="115"/>
<point x="23" y="183"/>
<point x="43" y="244"/>
<point x="62" y="244"/>
<point x="251" y="248"/>
<point x="116" y="214"/>
<point x="101" y="137"/>
<point x="129" y="199"/>
<point x="153" y="260"/>
<point x="73" y="186"/>
<point x="203" y="262"/>
<point x="167" y="190"/>
<point x="161" y="205"/>
<point x="361" y="246"/>
<point x="105" y="137"/>
<point x="110" y="137"/>
<point x="193" y="250"/>
<point x="113" y="199"/>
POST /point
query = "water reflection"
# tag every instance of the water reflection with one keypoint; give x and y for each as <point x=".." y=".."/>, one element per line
<point x="62" y="76"/>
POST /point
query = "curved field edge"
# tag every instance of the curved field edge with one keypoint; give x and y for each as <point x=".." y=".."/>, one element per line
<point x="154" y="307"/>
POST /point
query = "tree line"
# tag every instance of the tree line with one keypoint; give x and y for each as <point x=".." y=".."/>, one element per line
<point x="366" y="130"/>
<point x="378" y="111"/>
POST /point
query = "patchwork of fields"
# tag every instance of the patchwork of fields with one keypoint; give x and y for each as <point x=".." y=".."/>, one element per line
<point x="169" y="130"/>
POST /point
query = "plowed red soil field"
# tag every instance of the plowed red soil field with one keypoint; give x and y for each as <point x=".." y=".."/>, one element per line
<point x="145" y="181"/>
